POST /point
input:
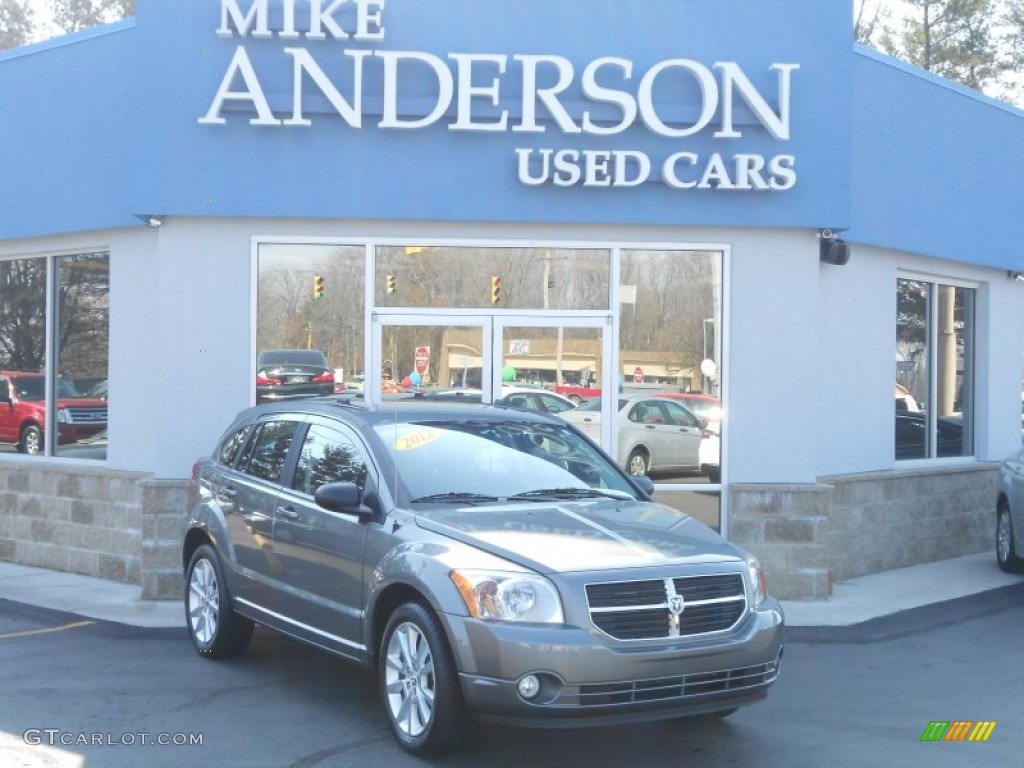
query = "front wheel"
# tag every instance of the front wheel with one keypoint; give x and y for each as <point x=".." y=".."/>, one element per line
<point x="1006" y="553"/>
<point x="31" y="440"/>
<point x="216" y="630"/>
<point x="419" y="683"/>
<point x="637" y="463"/>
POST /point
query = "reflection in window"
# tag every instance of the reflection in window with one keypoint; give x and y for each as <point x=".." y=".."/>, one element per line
<point x="78" y="317"/>
<point x="499" y="278"/>
<point x="328" y="457"/>
<point x="934" y="392"/>
<point x="231" y="446"/>
<point x="311" y="297"/>
<point x="82" y="317"/>
<point x="670" y="344"/>
<point x="269" y="449"/>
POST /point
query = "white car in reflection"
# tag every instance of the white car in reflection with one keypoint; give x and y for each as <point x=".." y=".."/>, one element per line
<point x="1010" y="515"/>
<point x="655" y="433"/>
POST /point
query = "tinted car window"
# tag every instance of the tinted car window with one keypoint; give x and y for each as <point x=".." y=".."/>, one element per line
<point x="270" y="449"/>
<point x="231" y="446"/>
<point x="328" y="456"/>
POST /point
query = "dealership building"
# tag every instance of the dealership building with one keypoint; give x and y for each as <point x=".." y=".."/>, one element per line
<point x="661" y="198"/>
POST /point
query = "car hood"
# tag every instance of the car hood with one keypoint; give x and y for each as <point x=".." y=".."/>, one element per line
<point x="582" y="535"/>
<point x="81" y="402"/>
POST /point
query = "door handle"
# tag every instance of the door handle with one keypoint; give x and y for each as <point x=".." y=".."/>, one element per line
<point x="228" y="492"/>
<point x="288" y="513"/>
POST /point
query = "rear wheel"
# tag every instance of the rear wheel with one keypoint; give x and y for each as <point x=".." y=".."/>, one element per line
<point x="1006" y="553"/>
<point x="31" y="440"/>
<point x="216" y="630"/>
<point x="419" y="683"/>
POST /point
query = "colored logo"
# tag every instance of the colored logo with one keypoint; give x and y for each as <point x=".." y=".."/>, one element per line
<point x="958" y="730"/>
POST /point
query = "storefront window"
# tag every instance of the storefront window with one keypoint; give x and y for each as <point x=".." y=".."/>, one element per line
<point x="310" y="319"/>
<point x="934" y="393"/>
<point x="70" y="408"/>
<point x="492" y="278"/>
<point x="670" y="352"/>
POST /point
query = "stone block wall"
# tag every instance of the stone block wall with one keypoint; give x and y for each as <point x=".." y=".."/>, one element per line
<point x="785" y="526"/>
<point x="883" y="521"/>
<point x="810" y="536"/>
<point x="113" y="525"/>
<point x="128" y="526"/>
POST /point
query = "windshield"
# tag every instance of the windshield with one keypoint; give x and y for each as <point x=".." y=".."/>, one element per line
<point x="31" y="388"/>
<point x="495" y="459"/>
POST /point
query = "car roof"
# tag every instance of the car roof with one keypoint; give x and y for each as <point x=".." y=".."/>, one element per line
<point x="411" y="409"/>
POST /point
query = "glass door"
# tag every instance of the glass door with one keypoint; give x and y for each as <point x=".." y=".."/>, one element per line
<point x="551" y="364"/>
<point x="429" y="355"/>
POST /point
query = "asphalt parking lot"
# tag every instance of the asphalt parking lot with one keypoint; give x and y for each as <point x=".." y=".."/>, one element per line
<point x="844" y="698"/>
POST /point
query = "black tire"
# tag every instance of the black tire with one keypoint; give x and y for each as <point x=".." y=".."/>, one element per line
<point x="714" y="475"/>
<point x="1006" y="552"/>
<point x="637" y="463"/>
<point x="216" y="630"/>
<point x="420" y="693"/>
<point x="31" y="440"/>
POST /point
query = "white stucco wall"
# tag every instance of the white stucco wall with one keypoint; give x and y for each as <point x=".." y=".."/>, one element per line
<point x="808" y="356"/>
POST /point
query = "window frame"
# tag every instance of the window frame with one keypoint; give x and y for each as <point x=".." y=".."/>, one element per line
<point x="53" y="261"/>
<point x="970" y="368"/>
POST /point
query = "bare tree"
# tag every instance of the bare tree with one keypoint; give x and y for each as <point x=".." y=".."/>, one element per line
<point x="871" y="18"/>
<point x="15" y="23"/>
<point x="75" y="15"/>
<point x="977" y="43"/>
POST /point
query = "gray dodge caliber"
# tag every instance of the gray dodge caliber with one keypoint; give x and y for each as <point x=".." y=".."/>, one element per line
<point x="484" y="562"/>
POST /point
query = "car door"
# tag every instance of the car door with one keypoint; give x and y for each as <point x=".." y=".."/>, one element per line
<point x="247" y="495"/>
<point x="8" y="416"/>
<point x="321" y="552"/>
<point x="683" y="430"/>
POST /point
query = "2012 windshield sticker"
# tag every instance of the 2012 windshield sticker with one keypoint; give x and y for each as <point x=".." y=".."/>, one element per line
<point x="417" y="439"/>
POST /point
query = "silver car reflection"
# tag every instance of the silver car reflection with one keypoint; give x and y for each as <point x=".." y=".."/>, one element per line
<point x="1010" y="515"/>
<point x="656" y="434"/>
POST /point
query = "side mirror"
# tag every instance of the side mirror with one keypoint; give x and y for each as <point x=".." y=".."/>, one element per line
<point x="643" y="483"/>
<point x="342" y="497"/>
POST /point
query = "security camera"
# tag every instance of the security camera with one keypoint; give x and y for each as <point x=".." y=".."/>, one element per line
<point x="827" y="234"/>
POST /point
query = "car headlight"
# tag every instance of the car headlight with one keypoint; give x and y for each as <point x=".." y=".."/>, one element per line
<point x="758" y="588"/>
<point x="509" y="596"/>
<point x="63" y="416"/>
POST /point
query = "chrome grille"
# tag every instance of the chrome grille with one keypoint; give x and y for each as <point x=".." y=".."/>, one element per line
<point x="83" y="415"/>
<point x="669" y="688"/>
<point x="639" y="610"/>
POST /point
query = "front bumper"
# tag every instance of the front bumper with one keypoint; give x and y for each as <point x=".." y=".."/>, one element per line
<point x="588" y="680"/>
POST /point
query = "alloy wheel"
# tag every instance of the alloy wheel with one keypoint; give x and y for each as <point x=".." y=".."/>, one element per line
<point x="203" y="602"/>
<point x="1003" y="533"/>
<point x="409" y="679"/>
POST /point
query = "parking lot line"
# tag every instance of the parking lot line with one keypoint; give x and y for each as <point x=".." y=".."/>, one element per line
<point x="45" y="630"/>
